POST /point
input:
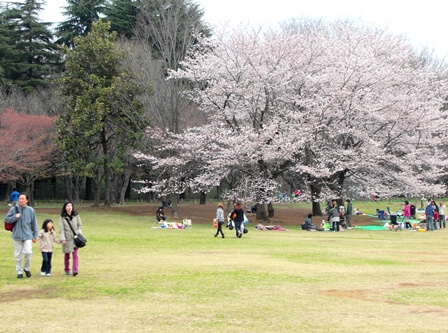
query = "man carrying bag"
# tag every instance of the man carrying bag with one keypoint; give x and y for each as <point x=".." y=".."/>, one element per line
<point x="24" y="234"/>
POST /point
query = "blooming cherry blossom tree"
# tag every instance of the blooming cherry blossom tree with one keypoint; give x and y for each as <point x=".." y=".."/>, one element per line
<point x="324" y="102"/>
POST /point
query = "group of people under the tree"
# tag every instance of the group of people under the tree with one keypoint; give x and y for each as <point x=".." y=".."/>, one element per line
<point x="25" y="232"/>
<point x="339" y="219"/>
<point x="435" y="215"/>
<point x="236" y="219"/>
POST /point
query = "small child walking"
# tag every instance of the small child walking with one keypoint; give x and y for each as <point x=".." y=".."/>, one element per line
<point x="47" y="237"/>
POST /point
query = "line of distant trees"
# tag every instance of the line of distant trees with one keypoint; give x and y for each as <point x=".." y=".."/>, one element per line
<point x="128" y="91"/>
<point x="76" y="99"/>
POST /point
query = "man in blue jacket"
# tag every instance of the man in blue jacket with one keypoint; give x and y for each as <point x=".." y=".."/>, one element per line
<point x="23" y="234"/>
<point x="429" y="211"/>
<point x="14" y="197"/>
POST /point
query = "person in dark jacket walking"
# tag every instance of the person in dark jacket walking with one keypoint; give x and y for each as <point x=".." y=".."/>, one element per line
<point x="237" y="215"/>
<point x="429" y="212"/>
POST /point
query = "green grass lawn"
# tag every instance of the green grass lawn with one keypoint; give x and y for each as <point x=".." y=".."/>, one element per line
<point x="136" y="278"/>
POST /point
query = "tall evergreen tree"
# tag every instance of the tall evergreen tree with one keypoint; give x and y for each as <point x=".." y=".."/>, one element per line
<point x="7" y="51"/>
<point x="103" y="118"/>
<point x="122" y="15"/>
<point x="81" y="15"/>
<point x="30" y="57"/>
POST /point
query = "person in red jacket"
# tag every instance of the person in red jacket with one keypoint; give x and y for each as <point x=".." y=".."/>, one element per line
<point x="407" y="214"/>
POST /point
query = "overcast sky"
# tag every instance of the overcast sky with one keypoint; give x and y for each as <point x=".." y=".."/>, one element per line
<point x="423" y="22"/>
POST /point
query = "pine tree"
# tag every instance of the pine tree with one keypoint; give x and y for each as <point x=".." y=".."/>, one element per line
<point x="7" y="51"/>
<point x="122" y="15"/>
<point x="29" y="57"/>
<point x="81" y="15"/>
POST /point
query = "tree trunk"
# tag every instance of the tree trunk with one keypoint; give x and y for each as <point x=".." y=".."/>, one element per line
<point x="31" y="194"/>
<point x="336" y="184"/>
<point x="340" y="202"/>
<point x="182" y="197"/>
<point x="317" y="210"/>
<point x="53" y="183"/>
<point x="96" y="184"/>
<point x="124" y="186"/>
<point x="107" y="185"/>
<point x="229" y="205"/>
<point x="271" y="210"/>
<point x="203" y="198"/>
<point x="76" y="190"/>
<point x="89" y="194"/>
<point x="174" y="209"/>
<point x="127" y="194"/>
<point x="97" y="199"/>
<point x="261" y="212"/>
<point x="315" y="187"/>
<point x="68" y="188"/>
<point x="107" y="171"/>
<point x="12" y="184"/>
<point x="218" y="193"/>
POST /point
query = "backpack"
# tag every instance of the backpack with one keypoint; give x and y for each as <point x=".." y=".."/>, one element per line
<point x="10" y="226"/>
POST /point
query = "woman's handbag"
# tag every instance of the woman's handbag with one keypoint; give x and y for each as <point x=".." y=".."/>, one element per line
<point x="80" y="240"/>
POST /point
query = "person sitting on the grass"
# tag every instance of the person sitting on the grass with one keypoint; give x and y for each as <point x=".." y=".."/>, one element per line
<point x="260" y="226"/>
<point x="279" y="228"/>
<point x="160" y="215"/>
<point x="308" y="224"/>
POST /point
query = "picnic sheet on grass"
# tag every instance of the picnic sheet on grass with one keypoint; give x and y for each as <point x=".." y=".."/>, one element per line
<point x="370" y="227"/>
<point x="399" y="219"/>
<point x="381" y="227"/>
<point x="173" y="225"/>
